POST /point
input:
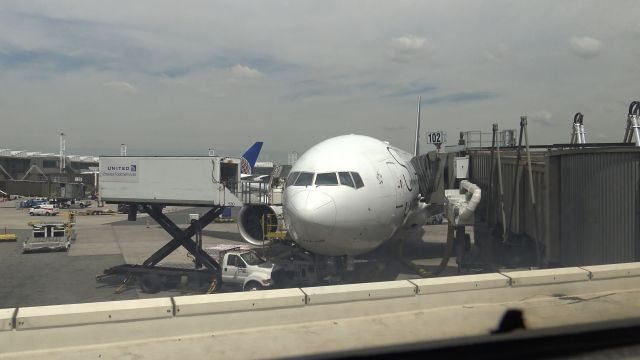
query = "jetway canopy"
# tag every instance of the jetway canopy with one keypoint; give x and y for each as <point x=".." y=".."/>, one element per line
<point x="190" y="181"/>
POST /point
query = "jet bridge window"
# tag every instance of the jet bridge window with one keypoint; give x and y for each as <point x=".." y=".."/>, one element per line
<point x="326" y="179"/>
<point x="357" y="179"/>
<point x="304" y="179"/>
<point x="345" y="179"/>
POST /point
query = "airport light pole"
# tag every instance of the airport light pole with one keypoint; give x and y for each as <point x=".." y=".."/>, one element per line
<point x="62" y="148"/>
<point x="293" y="157"/>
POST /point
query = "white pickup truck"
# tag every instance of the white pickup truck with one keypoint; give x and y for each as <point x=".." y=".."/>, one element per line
<point x="242" y="267"/>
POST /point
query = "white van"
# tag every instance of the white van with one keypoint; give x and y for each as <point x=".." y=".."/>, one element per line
<point x="44" y="209"/>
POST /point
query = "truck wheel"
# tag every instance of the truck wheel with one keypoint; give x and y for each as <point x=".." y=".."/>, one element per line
<point x="81" y="206"/>
<point x="150" y="284"/>
<point x="252" y="286"/>
<point x="31" y="213"/>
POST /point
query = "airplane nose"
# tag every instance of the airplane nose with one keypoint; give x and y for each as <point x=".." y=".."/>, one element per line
<point x="312" y="215"/>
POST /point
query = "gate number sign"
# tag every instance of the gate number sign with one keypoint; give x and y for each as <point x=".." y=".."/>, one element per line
<point x="436" y="137"/>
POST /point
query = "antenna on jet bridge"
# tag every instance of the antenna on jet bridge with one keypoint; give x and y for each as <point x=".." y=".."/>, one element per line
<point x="416" y="151"/>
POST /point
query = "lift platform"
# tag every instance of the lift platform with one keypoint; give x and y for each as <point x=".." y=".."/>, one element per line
<point x="149" y="184"/>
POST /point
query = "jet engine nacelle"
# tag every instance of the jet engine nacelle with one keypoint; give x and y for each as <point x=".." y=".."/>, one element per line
<point x="253" y="222"/>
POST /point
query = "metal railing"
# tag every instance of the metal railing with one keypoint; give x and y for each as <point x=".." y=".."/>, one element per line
<point x="474" y="139"/>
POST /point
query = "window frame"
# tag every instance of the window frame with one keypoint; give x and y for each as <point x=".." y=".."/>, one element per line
<point x="357" y="179"/>
<point x="235" y="263"/>
<point x="313" y="177"/>
<point x="291" y="179"/>
<point x="352" y="185"/>
<point x="335" y="177"/>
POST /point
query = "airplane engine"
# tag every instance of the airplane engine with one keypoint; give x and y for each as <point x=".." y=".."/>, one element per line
<point x="253" y="222"/>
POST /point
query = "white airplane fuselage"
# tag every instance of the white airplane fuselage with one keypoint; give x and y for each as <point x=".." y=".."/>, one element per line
<point x="343" y="219"/>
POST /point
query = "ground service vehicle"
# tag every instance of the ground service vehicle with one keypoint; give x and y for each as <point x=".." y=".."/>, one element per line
<point x="68" y="204"/>
<point x="29" y="203"/>
<point x="50" y="236"/>
<point x="44" y="209"/>
<point x="242" y="267"/>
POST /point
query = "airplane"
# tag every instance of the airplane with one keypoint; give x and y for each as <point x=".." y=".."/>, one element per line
<point x="248" y="159"/>
<point x="346" y="195"/>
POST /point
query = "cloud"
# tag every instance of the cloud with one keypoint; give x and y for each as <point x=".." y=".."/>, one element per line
<point x="245" y="72"/>
<point x="122" y="86"/>
<point x="543" y="117"/>
<point x="410" y="42"/>
<point x="409" y="47"/>
<point x="52" y="60"/>
<point x="462" y="97"/>
<point x="497" y="54"/>
<point x="586" y="47"/>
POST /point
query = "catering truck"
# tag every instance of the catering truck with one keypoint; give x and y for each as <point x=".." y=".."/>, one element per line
<point x="243" y="268"/>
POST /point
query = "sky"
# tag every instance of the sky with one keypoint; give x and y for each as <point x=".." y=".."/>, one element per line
<point x="180" y="77"/>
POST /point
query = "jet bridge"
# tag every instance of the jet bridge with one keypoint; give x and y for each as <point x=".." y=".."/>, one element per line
<point x="151" y="182"/>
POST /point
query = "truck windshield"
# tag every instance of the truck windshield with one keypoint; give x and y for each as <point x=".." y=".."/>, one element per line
<point x="252" y="258"/>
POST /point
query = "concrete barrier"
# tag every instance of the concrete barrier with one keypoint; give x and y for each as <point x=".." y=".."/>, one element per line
<point x="91" y="313"/>
<point x="357" y="292"/>
<point x="547" y="276"/>
<point x="610" y="271"/>
<point x="6" y="319"/>
<point x="380" y="308"/>
<point x="242" y="301"/>
<point x="460" y="283"/>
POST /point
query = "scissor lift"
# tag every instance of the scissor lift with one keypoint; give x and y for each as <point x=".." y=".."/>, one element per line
<point x="150" y="184"/>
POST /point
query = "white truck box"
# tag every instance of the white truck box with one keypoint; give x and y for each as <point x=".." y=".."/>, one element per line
<point x="205" y="180"/>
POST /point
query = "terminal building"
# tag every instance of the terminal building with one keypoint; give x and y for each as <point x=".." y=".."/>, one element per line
<point x="32" y="173"/>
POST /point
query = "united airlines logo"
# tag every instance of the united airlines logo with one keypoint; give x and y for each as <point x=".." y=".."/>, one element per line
<point x="245" y="167"/>
<point x="131" y="168"/>
<point x="119" y="172"/>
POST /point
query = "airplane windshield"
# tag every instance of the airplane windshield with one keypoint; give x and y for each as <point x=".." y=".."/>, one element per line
<point x="345" y="179"/>
<point x="357" y="179"/>
<point x="304" y="179"/>
<point x="326" y="179"/>
<point x="292" y="178"/>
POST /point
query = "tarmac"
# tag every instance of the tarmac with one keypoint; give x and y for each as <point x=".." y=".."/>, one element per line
<point x="103" y="241"/>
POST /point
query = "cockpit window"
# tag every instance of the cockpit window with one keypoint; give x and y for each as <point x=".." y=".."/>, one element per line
<point x="291" y="179"/>
<point x="357" y="179"/>
<point x="304" y="179"/>
<point x="326" y="179"/>
<point x="345" y="179"/>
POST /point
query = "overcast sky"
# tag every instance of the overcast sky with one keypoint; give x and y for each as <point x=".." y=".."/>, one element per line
<point x="183" y="76"/>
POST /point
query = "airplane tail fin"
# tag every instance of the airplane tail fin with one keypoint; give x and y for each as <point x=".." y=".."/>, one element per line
<point x="416" y="151"/>
<point x="250" y="157"/>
